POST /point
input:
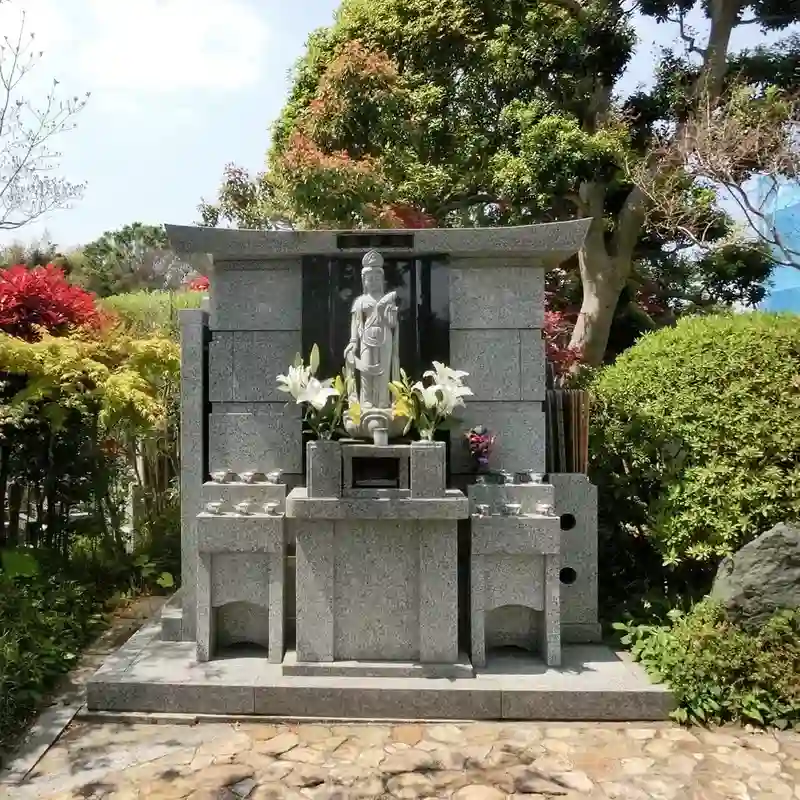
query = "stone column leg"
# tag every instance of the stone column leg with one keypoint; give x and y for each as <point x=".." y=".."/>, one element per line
<point x="477" y="595"/>
<point x="205" y="611"/>
<point x="277" y="571"/>
<point x="314" y="590"/>
<point x="438" y="593"/>
<point x="551" y="646"/>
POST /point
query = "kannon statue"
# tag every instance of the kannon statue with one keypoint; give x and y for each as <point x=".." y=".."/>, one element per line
<point x="372" y="352"/>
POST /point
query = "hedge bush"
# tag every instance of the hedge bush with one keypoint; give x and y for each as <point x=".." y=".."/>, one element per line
<point x="151" y="313"/>
<point x="720" y="673"/>
<point x="44" y="621"/>
<point x="695" y="436"/>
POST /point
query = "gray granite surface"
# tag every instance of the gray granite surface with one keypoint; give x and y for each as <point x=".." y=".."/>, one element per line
<point x="247" y="299"/>
<point x="453" y="506"/>
<point x="193" y="323"/>
<point x="552" y="242"/>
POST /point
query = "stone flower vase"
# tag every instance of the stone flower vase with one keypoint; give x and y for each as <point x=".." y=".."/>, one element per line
<point x="324" y="468"/>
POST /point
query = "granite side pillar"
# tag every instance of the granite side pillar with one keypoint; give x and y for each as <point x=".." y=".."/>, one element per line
<point x="315" y="589"/>
<point x="428" y="469"/>
<point x="193" y="324"/>
<point x="255" y="323"/>
<point x="324" y="469"/>
<point x="576" y="507"/>
<point x="496" y="320"/>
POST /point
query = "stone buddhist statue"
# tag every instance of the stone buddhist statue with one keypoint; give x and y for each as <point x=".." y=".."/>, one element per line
<point x="372" y="355"/>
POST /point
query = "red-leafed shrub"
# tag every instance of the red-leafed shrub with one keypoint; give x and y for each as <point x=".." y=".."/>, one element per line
<point x="32" y="300"/>
<point x="199" y="284"/>
<point x="558" y="327"/>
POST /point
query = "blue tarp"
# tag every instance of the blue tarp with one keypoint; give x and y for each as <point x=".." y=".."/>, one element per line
<point x="781" y="206"/>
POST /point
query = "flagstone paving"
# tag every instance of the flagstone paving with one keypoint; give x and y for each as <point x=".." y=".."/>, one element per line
<point x="471" y="761"/>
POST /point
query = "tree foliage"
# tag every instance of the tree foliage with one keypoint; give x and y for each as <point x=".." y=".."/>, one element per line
<point x="696" y="434"/>
<point x="135" y="257"/>
<point x="475" y="113"/>
<point x="41" y="300"/>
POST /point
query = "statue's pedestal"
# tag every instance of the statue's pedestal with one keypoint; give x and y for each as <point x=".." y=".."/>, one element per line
<point x="377" y="578"/>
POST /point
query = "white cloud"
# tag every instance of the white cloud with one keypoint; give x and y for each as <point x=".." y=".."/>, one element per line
<point x="166" y="46"/>
<point x="146" y="47"/>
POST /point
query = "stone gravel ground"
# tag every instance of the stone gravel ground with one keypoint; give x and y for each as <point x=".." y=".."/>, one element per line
<point x="470" y="761"/>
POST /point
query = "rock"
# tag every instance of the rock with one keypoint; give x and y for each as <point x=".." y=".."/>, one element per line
<point x="304" y="755"/>
<point x="407" y="734"/>
<point x="408" y="761"/>
<point x="530" y="781"/>
<point x="221" y="776"/>
<point x="279" y="744"/>
<point x="761" y="578"/>
<point x="276" y="791"/>
<point x="576" y="780"/>
<point x="410" y="786"/>
<point x="306" y="775"/>
<point x="476" y="791"/>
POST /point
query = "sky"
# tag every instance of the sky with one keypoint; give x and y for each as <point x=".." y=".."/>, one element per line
<point x="179" y="88"/>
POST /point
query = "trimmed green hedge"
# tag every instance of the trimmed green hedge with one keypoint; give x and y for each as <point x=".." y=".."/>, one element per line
<point x="44" y="622"/>
<point x="151" y="313"/>
<point x="695" y="435"/>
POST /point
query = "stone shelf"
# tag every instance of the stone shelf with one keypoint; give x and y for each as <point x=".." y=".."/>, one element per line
<point x="462" y="668"/>
<point x="527" y="534"/>
<point x="238" y="533"/>
<point x="452" y="506"/>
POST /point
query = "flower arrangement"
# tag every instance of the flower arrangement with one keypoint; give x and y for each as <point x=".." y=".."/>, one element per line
<point x="480" y="441"/>
<point x="428" y="404"/>
<point x="324" y="400"/>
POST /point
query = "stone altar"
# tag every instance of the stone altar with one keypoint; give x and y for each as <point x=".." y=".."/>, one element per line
<point x="393" y="598"/>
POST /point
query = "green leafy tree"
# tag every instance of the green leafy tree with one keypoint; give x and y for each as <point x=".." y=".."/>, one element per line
<point x="466" y="112"/>
<point x="133" y="258"/>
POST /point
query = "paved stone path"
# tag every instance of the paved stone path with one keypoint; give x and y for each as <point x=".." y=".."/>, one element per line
<point x="472" y="761"/>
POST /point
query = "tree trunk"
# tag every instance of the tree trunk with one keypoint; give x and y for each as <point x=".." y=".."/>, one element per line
<point x="724" y="15"/>
<point x="602" y="281"/>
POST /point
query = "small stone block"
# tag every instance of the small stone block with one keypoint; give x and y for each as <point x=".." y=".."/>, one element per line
<point x="266" y="299"/>
<point x="453" y="505"/>
<point x="428" y="470"/>
<point x="527" y="495"/>
<point x="324" y="467"/>
<point x="492" y="359"/>
<point x="254" y="437"/>
<point x="496" y="297"/>
<point x="232" y="493"/>
<point x="520" y="431"/>
<point x="523" y="535"/>
<point x="233" y="533"/>
<point x="462" y="668"/>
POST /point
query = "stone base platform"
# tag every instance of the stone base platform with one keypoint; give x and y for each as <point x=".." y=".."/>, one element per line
<point x="377" y="669"/>
<point x="593" y="683"/>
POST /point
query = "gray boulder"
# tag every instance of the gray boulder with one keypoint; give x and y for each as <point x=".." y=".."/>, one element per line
<point x="761" y="578"/>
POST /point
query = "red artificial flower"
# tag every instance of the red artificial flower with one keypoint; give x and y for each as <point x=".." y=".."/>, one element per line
<point x="199" y="284"/>
<point x="32" y="300"/>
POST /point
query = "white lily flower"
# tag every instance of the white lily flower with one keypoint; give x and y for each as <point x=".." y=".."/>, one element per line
<point x="317" y="393"/>
<point x="444" y="375"/>
<point x="428" y="394"/>
<point x="295" y="382"/>
<point x="452" y="397"/>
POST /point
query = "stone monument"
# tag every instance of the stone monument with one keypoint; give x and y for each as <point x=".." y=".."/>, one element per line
<point x="374" y="575"/>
